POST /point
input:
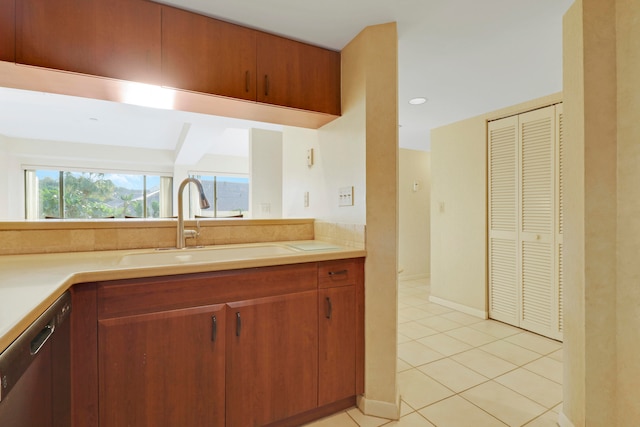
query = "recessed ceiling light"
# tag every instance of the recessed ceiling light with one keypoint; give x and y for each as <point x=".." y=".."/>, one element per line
<point x="417" y="101"/>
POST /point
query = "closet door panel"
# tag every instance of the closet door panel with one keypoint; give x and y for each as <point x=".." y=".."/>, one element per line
<point x="503" y="220"/>
<point x="560" y="183"/>
<point x="537" y="219"/>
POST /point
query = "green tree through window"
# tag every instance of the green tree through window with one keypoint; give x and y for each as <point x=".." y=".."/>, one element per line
<point x="71" y="194"/>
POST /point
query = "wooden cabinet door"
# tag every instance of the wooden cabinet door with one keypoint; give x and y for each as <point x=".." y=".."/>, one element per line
<point x="337" y="344"/>
<point x="110" y="38"/>
<point x="163" y="369"/>
<point x="206" y="55"/>
<point x="297" y="75"/>
<point x="272" y="358"/>
<point x="7" y="30"/>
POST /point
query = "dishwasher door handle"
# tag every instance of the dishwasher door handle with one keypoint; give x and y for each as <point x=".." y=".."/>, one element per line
<point x="42" y="337"/>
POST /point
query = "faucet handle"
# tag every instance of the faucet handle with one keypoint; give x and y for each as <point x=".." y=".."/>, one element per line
<point x="190" y="234"/>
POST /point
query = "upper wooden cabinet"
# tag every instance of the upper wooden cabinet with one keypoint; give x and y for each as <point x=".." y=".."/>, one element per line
<point x="146" y="42"/>
<point x="7" y="30"/>
<point x="206" y="55"/>
<point x="109" y="38"/>
<point x="297" y="75"/>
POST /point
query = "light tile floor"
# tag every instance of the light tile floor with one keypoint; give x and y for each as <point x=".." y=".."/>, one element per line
<point x="456" y="370"/>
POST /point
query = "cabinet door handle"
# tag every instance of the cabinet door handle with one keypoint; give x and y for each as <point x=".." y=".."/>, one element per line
<point x="329" y="308"/>
<point x="214" y="328"/>
<point x="266" y="85"/>
<point x="336" y="273"/>
<point x="246" y="81"/>
<point x="238" y="323"/>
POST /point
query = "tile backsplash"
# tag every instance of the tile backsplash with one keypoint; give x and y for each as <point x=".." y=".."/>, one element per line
<point x="32" y="237"/>
<point x="350" y="235"/>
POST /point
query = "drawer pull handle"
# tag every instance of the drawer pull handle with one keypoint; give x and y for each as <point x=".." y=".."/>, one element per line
<point x="246" y="81"/>
<point x="329" y="308"/>
<point x="266" y="85"/>
<point x="238" y="324"/>
<point x="214" y="328"/>
<point x="336" y="273"/>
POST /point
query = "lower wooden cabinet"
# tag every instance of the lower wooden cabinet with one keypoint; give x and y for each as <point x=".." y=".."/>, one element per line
<point x="277" y="346"/>
<point x="272" y="359"/>
<point x="163" y="369"/>
<point x="337" y="343"/>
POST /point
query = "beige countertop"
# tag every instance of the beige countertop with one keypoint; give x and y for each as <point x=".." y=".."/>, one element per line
<point x="31" y="283"/>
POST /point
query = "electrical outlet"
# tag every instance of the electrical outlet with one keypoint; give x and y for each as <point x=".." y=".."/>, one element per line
<point x="345" y="196"/>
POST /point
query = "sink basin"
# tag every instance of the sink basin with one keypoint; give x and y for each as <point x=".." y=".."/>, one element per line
<point x="183" y="256"/>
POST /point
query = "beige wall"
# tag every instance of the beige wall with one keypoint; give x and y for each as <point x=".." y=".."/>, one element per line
<point x="628" y="227"/>
<point x="459" y="209"/>
<point x="602" y="239"/>
<point x="4" y="178"/>
<point x="574" y="380"/>
<point x="380" y="45"/>
<point x="265" y="154"/>
<point x="339" y="161"/>
<point x="414" y="215"/>
<point x="458" y="214"/>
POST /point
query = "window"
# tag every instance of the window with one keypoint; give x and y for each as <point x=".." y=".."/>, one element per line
<point x="75" y="194"/>
<point x="227" y="195"/>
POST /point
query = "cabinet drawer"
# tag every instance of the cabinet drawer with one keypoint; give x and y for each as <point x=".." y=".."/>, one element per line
<point x="346" y="272"/>
<point x="126" y="297"/>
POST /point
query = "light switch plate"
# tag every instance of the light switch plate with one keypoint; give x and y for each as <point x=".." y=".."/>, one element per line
<point x="310" y="157"/>
<point x="345" y="196"/>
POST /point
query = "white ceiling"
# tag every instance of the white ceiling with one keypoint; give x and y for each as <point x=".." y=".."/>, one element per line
<point x="467" y="57"/>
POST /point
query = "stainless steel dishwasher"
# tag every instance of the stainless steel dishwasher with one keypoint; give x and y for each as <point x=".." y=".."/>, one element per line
<point x="35" y="372"/>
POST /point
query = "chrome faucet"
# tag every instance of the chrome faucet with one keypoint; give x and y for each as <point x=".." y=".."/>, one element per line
<point x="204" y="204"/>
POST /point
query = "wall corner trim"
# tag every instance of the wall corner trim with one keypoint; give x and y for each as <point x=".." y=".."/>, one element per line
<point x="377" y="408"/>
<point x="483" y="314"/>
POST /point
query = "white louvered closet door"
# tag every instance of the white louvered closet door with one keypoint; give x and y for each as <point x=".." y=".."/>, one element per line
<point x="525" y="262"/>
<point x="560" y="178"/>
<point x="503" y="220"/>
<point x="538" y="296"/>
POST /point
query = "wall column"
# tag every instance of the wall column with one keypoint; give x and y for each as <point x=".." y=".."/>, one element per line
<point x="602" y="237"/>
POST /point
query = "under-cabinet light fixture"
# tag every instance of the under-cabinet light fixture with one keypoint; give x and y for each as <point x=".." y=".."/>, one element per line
<point x="145" y="95"/>
<point x="417" y="101"/>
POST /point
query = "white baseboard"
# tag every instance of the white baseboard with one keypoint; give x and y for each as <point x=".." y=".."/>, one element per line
<point x="377" y="408"/>
<point x="412" y="276"/>
<point x="563" y="421"/>
<point x="459" y="307"/>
